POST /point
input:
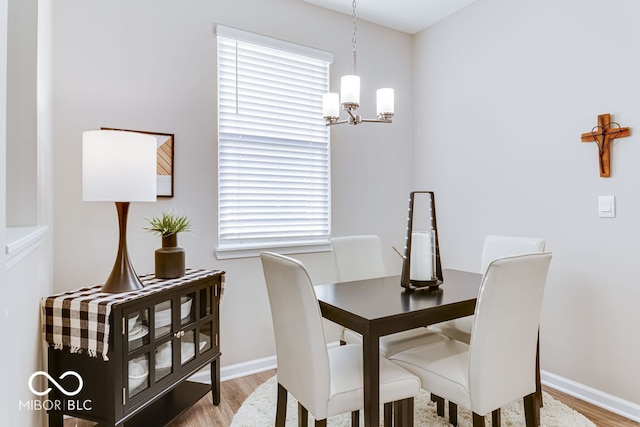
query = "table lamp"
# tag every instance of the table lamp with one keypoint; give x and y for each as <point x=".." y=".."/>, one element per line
<point x="120" y="167"/>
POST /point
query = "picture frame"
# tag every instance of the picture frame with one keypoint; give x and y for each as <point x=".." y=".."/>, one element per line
<point x="165" y="170"/>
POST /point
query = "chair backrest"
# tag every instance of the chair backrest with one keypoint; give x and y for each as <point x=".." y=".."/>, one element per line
<point x="358" y="257"/>
<point x="303" y="360"/>
<point x="502" y="352"/>
<point x="502" y="246"/>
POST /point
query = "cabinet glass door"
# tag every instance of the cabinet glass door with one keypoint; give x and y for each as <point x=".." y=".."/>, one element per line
<point x="138" y="374"/>
<point x="207" y="335"/>
<point x="163" y="320"/>
<point x="163" y="335"/>
<point x="187" y="309"/>
<point x="137" y="335"/>
<point x="187" y="347"/>
<point x="137" y="329"/>
<point x="206" y="299"/>
<point x="164" y="360"/>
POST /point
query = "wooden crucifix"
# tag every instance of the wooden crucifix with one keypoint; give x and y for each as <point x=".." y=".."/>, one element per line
<point x="603" y="135"/>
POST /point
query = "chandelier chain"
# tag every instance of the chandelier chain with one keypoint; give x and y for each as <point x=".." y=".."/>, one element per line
<point x="354" y="40"/>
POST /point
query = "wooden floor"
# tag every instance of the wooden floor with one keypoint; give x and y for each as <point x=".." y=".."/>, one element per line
<point x="234" y="392"/>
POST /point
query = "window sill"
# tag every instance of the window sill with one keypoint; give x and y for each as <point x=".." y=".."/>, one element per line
<point x="21" y="241"/>
<point x="230" y="253"/>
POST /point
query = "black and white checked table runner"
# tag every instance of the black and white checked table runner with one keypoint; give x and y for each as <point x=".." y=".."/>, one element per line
<point x="80" y="319"/>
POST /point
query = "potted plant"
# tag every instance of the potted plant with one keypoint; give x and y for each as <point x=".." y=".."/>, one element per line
<point x="169" y="259"/>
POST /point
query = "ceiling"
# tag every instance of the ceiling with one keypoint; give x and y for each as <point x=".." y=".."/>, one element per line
<point x="409" y="16"/>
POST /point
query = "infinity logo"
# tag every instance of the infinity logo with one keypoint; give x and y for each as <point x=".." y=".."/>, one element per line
<point x="58" y="386"/>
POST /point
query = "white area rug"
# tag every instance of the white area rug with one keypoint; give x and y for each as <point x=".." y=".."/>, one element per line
<point x="259" y="409"/>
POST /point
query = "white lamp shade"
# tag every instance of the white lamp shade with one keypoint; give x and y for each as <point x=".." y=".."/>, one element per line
<point x="384" y="101"/>
<point x="350" y="89"/>
<point x="119" y="166"/>
<point x="330" y="105"/>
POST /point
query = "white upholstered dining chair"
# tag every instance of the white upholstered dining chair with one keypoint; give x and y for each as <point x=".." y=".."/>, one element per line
<point x="497" y="366"/>
<point x="326" y="382"/>
<point x="494" y="246"/>
<point x="360" y="257"/>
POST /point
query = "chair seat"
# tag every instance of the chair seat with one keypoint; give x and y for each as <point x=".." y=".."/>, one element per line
<point x="457" y="329"/>
<point x="398" y="342"/>
<point x="346" y="392"/>
<point x="442" y="364"/>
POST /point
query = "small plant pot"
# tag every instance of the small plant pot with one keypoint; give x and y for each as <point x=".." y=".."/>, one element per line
<point x="169" y="259"/>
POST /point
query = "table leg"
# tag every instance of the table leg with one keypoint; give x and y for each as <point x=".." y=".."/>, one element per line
<point x="55" y="419"/>
<point x="371" y="374"/>
<point x="215" y="381"/>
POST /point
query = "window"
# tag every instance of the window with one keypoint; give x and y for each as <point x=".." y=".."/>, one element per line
<point x="273" y="146"/>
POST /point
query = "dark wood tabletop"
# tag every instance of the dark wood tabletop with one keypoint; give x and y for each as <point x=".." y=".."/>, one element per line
<point x="381" y="306"/>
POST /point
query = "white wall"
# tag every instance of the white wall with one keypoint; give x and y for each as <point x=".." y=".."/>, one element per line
<point x="151" y="65"/>
<point x="4" y="13"/>
<point x="22" y="57"/>
<point x="503" y="92"/>
<point x="25" y="281"/>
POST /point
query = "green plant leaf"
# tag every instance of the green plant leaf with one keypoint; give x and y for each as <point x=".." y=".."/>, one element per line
<point x="168" y="223"/>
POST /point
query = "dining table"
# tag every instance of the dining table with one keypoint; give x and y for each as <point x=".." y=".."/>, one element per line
<point x="381" y="306"/>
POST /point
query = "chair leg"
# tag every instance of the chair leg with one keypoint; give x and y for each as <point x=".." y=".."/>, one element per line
<point x="453" y="413"/>
<point x="303" y="416"/>
<point x="538" y="382"/>
<point x="321" y="423"/>
<point x="355" y="419"/>
<point x="408" y="412"/>
<point x="389" y="412"/>
<point x="281" y="406"/>
<point x="403" y="412"/>
<point x="439" y="404"/>
<point x="530" y="412"/>
<point x="535" y="407"/>
<point x="496" y="418"/>
<point x="478" y="420"/>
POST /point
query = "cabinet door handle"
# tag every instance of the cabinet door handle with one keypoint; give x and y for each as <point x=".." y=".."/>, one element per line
<point x="179" y="334"/>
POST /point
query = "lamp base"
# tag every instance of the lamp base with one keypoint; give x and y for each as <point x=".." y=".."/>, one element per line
<point x="122" y="278"/>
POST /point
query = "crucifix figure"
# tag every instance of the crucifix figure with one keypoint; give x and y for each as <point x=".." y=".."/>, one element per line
<point x="603" y="135"/>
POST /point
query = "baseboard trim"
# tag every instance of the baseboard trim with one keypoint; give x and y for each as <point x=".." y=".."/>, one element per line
<point x="238" y="370"/>
<point x="243" y="369"/>
<point x="595" y="397"/>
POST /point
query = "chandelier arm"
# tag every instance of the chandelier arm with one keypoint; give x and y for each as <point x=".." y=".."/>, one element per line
<point x="336" y="122"/>
<point x="375" y="121"/>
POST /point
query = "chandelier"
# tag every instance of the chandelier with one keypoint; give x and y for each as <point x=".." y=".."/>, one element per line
<point x="350" y="95"/>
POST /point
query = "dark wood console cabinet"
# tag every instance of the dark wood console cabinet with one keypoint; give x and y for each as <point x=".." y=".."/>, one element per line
<point x="156" y="341"/>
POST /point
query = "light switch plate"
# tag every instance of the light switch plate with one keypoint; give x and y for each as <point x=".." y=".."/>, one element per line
<point x="606" y="206"/>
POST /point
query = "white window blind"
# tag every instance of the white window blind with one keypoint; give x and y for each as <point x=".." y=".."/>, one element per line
<point x="273" y="146"/>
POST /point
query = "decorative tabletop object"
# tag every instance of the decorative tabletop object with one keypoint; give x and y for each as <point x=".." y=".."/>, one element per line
<point x="421" y="260"/>
<point x="170" y="258"/>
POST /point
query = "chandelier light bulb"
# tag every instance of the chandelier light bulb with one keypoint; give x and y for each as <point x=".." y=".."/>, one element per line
<point x="384" y="102"/>
<point x="330" y="105"/>
<point x="350" y="90"/>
